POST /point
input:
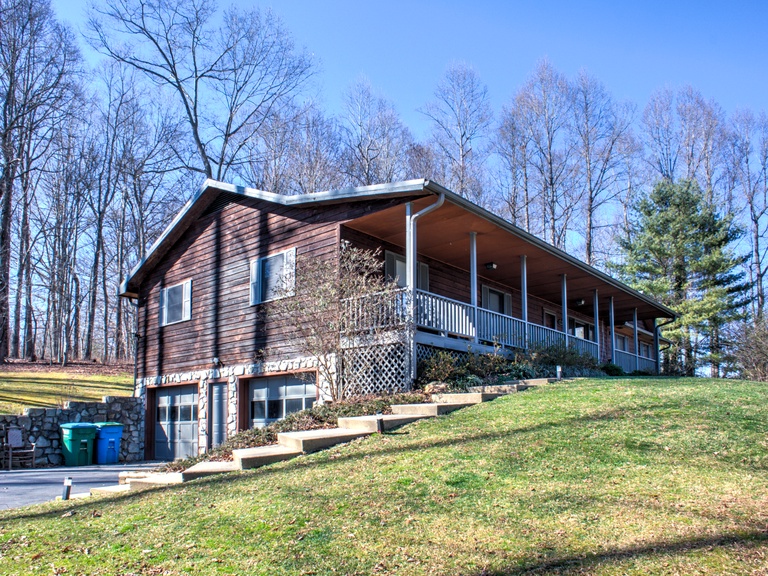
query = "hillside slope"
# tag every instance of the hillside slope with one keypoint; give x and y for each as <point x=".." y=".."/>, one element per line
<point x="615" y="476"/>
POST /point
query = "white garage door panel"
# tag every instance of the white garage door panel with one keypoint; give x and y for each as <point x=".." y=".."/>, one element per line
<point x="176" y="422"/>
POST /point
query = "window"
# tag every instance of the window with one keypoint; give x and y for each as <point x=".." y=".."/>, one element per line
<point x="496" y="301"/>
<point x="550" y="320"/>
<point x="395" y="269"/>
<point x="273" y="277"/>
<point x="176" y="303"/>
<point x="581" y="329"/>
<point x="645" y="350"/>
<point x="621" y="343"/>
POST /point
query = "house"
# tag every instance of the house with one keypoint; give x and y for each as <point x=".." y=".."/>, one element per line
<point x="472" y="280"/>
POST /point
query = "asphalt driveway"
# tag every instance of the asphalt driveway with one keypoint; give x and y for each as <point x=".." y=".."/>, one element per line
<point x="34" y="486"/>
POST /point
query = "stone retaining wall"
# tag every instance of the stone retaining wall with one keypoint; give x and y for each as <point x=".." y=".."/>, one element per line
<point x="42" y="426"/>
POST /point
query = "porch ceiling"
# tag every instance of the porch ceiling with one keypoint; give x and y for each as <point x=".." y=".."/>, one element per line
<point x="443" y="235"/>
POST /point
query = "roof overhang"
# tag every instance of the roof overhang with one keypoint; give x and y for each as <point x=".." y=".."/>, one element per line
<point x="443" y="235"/>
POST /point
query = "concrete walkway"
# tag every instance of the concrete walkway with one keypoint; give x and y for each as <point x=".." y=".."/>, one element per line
<point x="34" y="486"/>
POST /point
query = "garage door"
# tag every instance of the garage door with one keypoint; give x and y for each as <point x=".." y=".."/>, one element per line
<point x="275" y="397"/>
<point x="176" y="422"/>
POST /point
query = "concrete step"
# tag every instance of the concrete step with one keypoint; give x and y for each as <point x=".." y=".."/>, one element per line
<point x="431" y="409"/>
<point x="203" y="469"/>
<point x="512" y="386"/>
<point x="371" y="423"/>
<point x="110" y="490"/>
<point x="155" y="480"/>
<point x="262" y="455"/>
<point x="125" y="477"/>
<point x="314" y="440"/>
<point x="465" y="397"/>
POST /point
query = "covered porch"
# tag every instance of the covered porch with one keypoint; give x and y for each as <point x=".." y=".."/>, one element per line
<point x="470" y="278"/>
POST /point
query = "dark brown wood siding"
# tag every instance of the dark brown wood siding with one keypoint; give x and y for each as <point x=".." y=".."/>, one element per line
<point x="215" y="254"/>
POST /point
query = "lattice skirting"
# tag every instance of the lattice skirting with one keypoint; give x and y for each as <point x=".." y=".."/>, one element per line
<point x="424" y="352"/>
<point x="376" y="369"/>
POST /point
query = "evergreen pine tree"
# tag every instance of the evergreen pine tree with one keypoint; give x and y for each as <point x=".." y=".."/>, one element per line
<point x="679" y="250"/>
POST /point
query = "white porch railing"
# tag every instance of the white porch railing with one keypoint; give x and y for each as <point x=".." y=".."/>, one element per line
<point x="584" y="346"/>
<point x="450" y="318"/>
<point x="453" y="318"/>
<point x="543" y="336"/>
<point x="630" y="362"/>
<point x="500" y="329"/>
<point x="447" y="316"/>
<point x="375" y="312"/>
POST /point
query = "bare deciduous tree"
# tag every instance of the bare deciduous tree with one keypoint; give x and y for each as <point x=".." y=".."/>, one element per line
<point x="749" y="145"/>
<point x="331" y="301"/>
<point x="374" y="139"/>
<point x="461" y="119"/>
<point x="542" y="114"/>
<point x="39" y="63"/>
<point x="599" y="125"/>
<point x="228" y="76"/>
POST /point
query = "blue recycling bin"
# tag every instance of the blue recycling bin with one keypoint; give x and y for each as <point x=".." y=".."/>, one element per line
<point x="108" y="436"/>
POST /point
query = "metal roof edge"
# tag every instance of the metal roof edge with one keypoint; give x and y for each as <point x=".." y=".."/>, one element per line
<point x="356" y="193"/>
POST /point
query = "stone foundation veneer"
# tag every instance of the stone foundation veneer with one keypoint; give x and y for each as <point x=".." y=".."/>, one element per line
<point x="230" y="374"/>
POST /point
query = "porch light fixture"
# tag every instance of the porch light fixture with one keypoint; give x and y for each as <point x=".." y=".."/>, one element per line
<point x="490" y="265"/>
<point x="580" y="302"/>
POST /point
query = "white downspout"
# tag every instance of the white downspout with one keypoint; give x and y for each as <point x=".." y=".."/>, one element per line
<point x="411" y="265"/>
<point x="524" y="295"/>
<point x="473" y="280"/>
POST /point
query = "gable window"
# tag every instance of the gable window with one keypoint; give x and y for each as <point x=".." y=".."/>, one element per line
<point x="496" y="301"/>
<point x="176" y="303"/>
<point x="273" y="277"/>
<point x="395" y="269"/>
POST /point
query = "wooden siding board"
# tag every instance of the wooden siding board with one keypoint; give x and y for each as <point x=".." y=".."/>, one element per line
<point x="216" y="253"/>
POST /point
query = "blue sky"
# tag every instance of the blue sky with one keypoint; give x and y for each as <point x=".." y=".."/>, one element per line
<point x="634" y="47"/>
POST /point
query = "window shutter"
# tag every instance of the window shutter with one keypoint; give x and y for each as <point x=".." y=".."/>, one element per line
<point x="161" y="314"/>
<point x="289" y="272"/>
<point x="508" y="304"/>
<point x="423" y="281"/>
<point x="485" y="296"/>
<point x="255" y="282"/>
<point x="187" y="305"/>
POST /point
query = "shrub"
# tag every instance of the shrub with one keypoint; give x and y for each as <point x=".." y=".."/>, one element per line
<point x="486" y="364"/>
<point x="612" y="369"/>
<point x="560" y="355"/>
<point x="441" y="366"/>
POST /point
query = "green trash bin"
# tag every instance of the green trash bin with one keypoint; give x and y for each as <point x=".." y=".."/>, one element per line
<point x="108" y="438"/>
<point x="77" y="443"/>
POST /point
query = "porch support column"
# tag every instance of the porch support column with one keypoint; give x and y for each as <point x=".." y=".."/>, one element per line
<point x="612" y="328"/>
<point x="473" y="281"/>
<point x="524" y="296"/>
<point x="564" y="298"/>
<point x="596" y="316"/>
<point x="656" y="346"/>
<point x="637" y="340"/>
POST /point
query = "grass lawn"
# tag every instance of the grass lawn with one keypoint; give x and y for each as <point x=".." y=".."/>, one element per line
<point x="41" y="389"/>
<point x="615" y="476"/>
